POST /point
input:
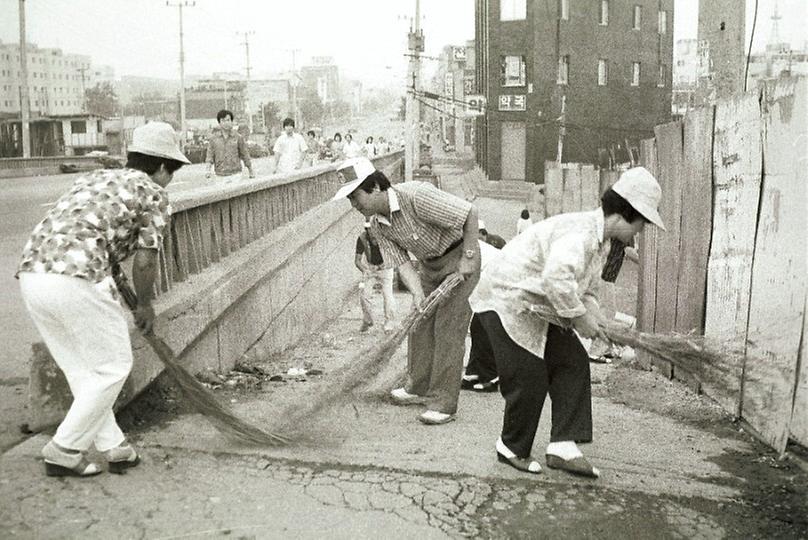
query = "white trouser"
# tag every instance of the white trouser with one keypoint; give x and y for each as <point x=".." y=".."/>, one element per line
<point x="369" y="278"/>
<point x="86" y="332"/>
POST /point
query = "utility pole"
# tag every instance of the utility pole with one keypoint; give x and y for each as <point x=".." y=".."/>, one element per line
<point x="82" y="70"/>
<point x="181" y="4"/>
<point x="562" y="130"/>
<point x="25" y="102"/>
<point x="413" y="110"/>
<point x="246" y="44"/>
<point x="294" y="84"/>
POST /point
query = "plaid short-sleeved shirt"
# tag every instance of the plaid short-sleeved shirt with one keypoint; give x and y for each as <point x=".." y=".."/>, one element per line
<point x="423" y="220"/>
<point x="106" y="212"/>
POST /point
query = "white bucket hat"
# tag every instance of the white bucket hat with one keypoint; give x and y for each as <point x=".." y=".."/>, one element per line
<point x="480" y="224"/>
<point x="157" y="139"/>
<point x="353" y="172"/>
<point x="641" y="190"/>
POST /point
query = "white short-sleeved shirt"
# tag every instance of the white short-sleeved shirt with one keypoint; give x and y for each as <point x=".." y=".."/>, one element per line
<point x="291" y="148"/>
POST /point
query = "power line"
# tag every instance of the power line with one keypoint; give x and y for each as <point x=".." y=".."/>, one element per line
<point x="749" y="53"/>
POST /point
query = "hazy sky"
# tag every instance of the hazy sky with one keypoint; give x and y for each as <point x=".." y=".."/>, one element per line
<point x="366" y="37"/>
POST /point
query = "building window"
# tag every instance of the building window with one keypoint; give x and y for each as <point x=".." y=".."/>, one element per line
<point x="98" y="127"/>
<point x="78" y="126"/>
<point x="635" y="74"/>
<point x="661" y="78"/>
<point x="513" y="10"/>
<point x="604" y="12"/>
<point x="565" y="10"/>
<point x="663" y="22"/>
<point x="563" y="69"/>
<point x="603" y="73"/>
<point x="513" y="71"/>
<point x="637" y="17"/>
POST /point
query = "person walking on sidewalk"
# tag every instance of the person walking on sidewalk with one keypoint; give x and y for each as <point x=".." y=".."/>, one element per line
<point x="440" y="230"/>
<point x="369" y="261"/>
<point x="227" y="148"/>
<point x="66" y="281"/>
<point x="290" y="149"/>
<point x="535" y="299"/>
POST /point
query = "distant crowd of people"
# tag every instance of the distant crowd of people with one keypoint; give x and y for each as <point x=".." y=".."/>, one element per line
<point x="227" y="148"/>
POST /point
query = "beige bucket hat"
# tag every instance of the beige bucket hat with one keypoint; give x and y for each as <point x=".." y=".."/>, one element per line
<point x="642" y="191"/>
<point x="157" y="139"/>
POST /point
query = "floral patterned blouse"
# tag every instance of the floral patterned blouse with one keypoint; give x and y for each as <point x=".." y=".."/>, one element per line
<point x="106" y="213"/>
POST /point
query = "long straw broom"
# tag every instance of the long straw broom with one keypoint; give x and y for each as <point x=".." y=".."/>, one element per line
<point x="197" y="394"/>
<point x="690" y="352"/>
<point x="369" y="362"/>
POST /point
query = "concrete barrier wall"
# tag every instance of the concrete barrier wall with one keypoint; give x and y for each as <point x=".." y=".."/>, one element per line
<point x="263" y="295"/>
<point x="38" y="166"/>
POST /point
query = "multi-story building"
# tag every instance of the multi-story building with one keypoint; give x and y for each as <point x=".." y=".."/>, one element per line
<point x="56" y="81"/>
<point x="322" y="77"/>
<point x="454" y="82"/>
<point x="594" y="75"/>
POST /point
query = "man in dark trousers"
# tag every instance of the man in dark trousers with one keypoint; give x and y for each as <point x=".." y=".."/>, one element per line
<point x="440" y="230"/>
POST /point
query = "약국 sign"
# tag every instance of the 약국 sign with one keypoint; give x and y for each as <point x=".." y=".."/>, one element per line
<point x="512" y="102"/>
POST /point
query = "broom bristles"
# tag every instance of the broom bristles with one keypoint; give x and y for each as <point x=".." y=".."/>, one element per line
<point x="368" y="363"/>
<point x="200" y="398"/>
<point x="690" y="352"/>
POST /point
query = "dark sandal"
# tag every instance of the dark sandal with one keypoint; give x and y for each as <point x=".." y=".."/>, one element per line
<point x="485" y="387"/>
<point x="120" y="467"/>
<point x="80" y="470"/>
<point x="520" y="464"/>
<point x="578" y="465"/>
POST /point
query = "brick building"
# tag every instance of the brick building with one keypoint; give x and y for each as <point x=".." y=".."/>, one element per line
<point x="608" y="61"/>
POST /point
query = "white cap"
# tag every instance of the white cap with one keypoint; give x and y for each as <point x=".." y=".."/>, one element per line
<point x="480" y="224"/>
<point x="353" y="172"/>
<point x="157" y="139"/>
<point x="641" y="190"/>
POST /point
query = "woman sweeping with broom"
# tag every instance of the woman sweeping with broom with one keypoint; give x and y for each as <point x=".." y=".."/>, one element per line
<point x="552" y="269"/>
<point x="66" y="282"/>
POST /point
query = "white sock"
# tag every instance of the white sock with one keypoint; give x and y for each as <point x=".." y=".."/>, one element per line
<point x="504" y="450"/>
<point x="564" y="449"/>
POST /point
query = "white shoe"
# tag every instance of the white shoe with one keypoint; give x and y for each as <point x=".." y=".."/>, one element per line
<point x="402" y="397"/>
<point x="435" y="418"/>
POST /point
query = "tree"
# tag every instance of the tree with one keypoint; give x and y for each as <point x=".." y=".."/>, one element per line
<point x="272" y="115"/>
<point x="311" y="107"/>
<point x="341" y="110"/>
<point x="101" y="99"/>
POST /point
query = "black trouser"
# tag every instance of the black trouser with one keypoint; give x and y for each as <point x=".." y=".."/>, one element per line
<point x="525" y="379"/>
<point x="481" y="356"/>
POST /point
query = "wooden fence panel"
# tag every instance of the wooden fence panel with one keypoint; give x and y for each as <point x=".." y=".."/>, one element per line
<point x="608" y="178"/>
<point x="590" y="187"/>
<point x="571" y="198"/>
<point x="778" y="273"/>
<point x="646" y="283"/>
<point x="737" y="165"/>
<point x="553" y="190"/>
<point x="697" y="223"/>
<point x="669" y="163"/>
<point x="799" y="416"/>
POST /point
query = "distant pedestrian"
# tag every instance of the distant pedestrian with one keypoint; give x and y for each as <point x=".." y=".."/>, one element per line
<point x="440" y="230"/>
<point x="370" y="148"/>
<point x="67" y="285"/>
<point x="523" y="222"/>
<point x="290" y="149"/>
<point x="369" y="261"/>
<point x="313" y="154"/>
<point x="227" y="148"/>
<point x="350" y="149"/>
<point x="336" y="147"/>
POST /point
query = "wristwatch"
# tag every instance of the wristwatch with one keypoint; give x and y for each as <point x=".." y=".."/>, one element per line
<point x="469" y="253"/>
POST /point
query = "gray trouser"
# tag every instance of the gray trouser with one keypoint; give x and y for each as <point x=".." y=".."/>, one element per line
<point x="436" y="348"/>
